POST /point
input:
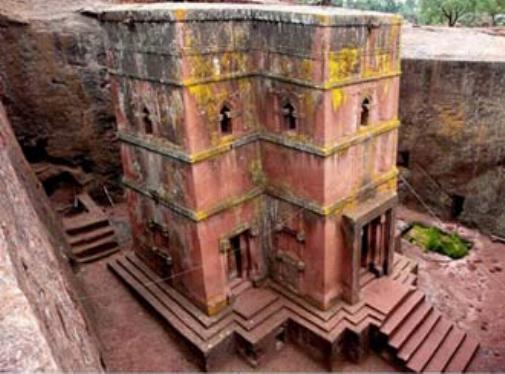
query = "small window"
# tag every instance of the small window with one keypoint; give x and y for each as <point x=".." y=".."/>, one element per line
<point x="289" y="114"/>
<point x="225" y="120"/>
<point x="365" y="112"/>
<point x="148" y="124"/>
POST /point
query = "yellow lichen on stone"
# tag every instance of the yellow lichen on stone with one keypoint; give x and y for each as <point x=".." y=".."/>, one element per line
<point x="323" y="19"/>
<point x="180" y="14"/>
<point x="286" y="66"/>
<point x="306" y="68"/>
<point x="394" y="33"/>
<point x="452" y="117"/>
<point x="381" y="65"/>
<point x="310" y="102"/>
<point x="214" y="67"/>
<point x="208" y="103"/>
<point x="203" y="95"/>
<point x="247" y="98"/>
<point x="257" y="174"/>
<point x="337" y="98"/>
<point x="386" y="87"/>
<point x="342" y="64"/>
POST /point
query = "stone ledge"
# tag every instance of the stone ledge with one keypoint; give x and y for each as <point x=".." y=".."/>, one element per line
<point x="191" y="12"/>
<point x="195" y="82"/>
<point x="168" y="150"/>
<point x="229" y="203"/>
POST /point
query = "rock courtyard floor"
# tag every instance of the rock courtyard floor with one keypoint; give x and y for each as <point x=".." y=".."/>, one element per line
<point x="468" y="291"/>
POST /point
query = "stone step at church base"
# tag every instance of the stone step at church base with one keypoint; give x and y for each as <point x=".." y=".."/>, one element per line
<point x="261" y="319"/>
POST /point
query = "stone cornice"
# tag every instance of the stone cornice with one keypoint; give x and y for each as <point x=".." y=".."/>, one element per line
<point x="219" y="50"/>
<point x="222" y="12"/>
<point x="193" y="215"/>
<point x="337" y="205"/>
<point x="256" y="192"/>
<point x="166" y="149"/>
<point x="226" y="77"/>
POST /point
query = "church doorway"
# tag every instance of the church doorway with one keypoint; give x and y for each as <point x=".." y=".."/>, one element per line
<point x="374" y="242"/>
<point x="239" y="257"/>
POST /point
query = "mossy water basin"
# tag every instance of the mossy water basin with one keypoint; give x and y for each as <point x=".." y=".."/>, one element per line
<point x="432" y="239"/>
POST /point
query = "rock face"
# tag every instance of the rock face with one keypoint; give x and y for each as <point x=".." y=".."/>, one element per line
<point x="452" y="139"/>
<point x="42" y="324"/>
<point x="55" y="88"/>
<point x="54" y="85"/>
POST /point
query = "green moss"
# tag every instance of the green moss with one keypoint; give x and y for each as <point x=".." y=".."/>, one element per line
<point x="435" y="240"/>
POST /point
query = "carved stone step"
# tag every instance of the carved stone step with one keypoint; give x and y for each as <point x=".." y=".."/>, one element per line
<point x="418" y="336"/>
<point x="402" y="312"/>
<point x="463" y="356"/>
<point x="84" y="223"/>
<point x="410" y="325"/>
<point x="446" y="351"/>
<point x="429" y="347"/>
<point x="88" y="249"/>
<point x="88" y="237"/>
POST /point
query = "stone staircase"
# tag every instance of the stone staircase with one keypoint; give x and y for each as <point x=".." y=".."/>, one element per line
<point x="423" y="340"/>
<point x="413" y="332"/>
<point x="255" y="313"/>
<point x="89" y="232"/>
<point x="404" y="272"/>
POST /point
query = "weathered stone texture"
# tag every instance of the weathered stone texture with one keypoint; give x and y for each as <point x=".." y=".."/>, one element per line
<point x="42" y="323"/>
<point x="55" y="86"/>
<point x="453" y="130"/>
<point x="177" y="69"/>
<point x="55" y="89"/>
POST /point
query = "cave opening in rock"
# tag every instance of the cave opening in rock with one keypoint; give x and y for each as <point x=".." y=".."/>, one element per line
<point x="36" y="152"/>
<point x="403" y="159"/>
<point x="457" y="205"/>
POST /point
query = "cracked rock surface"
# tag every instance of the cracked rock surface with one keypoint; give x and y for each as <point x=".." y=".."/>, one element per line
<point x="43" y="326"/>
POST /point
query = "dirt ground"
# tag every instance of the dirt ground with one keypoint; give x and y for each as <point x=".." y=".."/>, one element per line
<point x="134" y="339"/>
<point x="468" y="291"/>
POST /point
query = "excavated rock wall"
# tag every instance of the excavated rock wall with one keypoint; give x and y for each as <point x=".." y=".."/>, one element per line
<point x="54" y="85"/>
<point x="55" y="88"/>
<point x="453" y="138"/>
<point x="42" y="324"/>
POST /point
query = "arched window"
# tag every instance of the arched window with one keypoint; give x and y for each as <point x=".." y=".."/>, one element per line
<point x="365" y="112"/>
<point x="225" y="120"/>
<point x="148" y="124"/>
<point x="289" y="115"/>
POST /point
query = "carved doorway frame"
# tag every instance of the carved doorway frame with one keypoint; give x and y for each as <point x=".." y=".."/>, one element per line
<point x="353" y="223"/>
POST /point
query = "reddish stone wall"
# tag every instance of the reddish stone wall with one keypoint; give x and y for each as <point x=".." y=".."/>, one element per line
<point x="172" y="76"/>
<point x="453" y="131"/>
<point x="43" y="326"/>
<point x="55" y="89"/>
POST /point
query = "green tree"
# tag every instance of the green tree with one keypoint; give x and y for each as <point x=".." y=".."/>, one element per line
<point x="409" y="10"/>
<point x="491" y="8"/>
<point x="390" y="6"/>
<point x="450" y="11"/>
